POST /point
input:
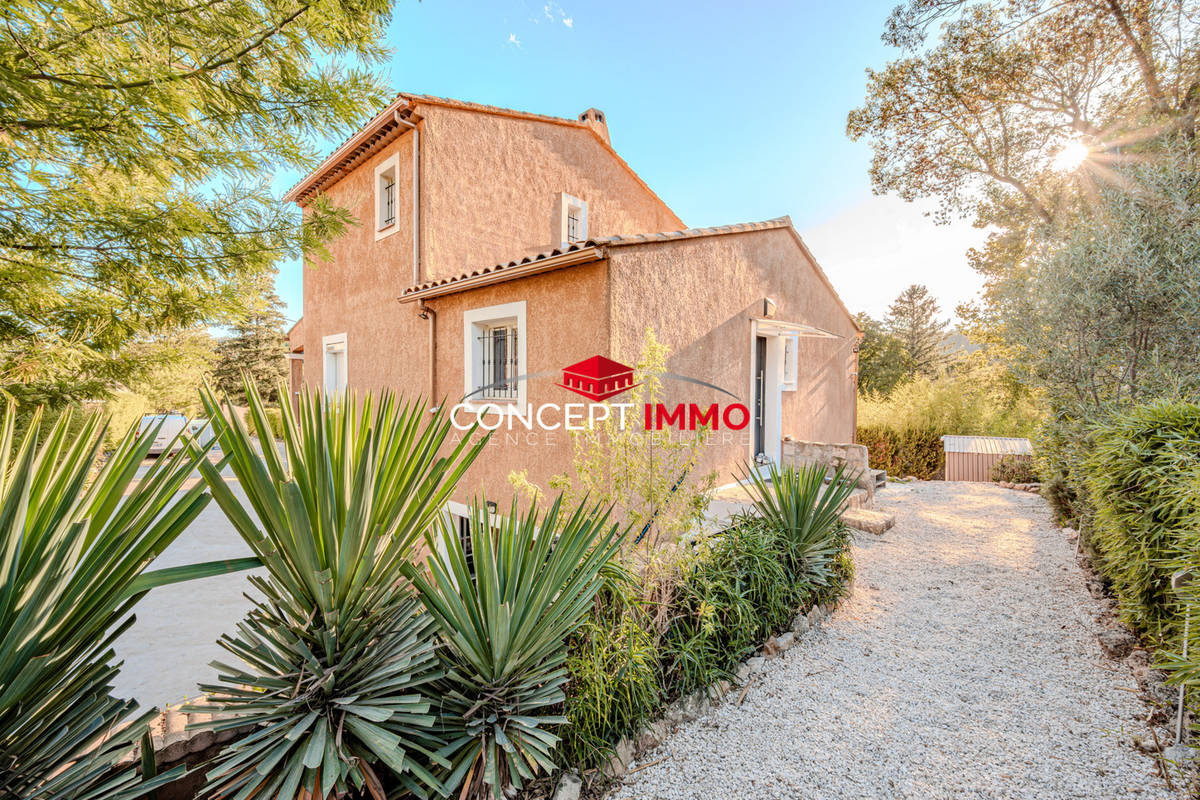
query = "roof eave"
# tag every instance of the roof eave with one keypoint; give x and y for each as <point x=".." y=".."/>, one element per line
<point x="322" y="171"/>
<point x="582" y="256"/>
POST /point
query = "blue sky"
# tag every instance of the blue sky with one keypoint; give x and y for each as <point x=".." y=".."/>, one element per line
<point x="731" y="113"/>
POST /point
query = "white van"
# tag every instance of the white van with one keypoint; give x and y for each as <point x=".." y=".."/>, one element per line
<point x="168" y="433"/>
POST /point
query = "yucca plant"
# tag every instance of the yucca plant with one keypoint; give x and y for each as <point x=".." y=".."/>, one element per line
<point x="75" y="542"/>
<point x="505" y="623"/>
<point x="335" y="657"/>
<point x="798" y="503"/>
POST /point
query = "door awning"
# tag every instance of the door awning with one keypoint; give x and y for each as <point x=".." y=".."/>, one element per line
<point x="781" y="328"/>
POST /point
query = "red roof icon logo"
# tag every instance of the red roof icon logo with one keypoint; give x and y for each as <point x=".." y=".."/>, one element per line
<point x="597" y="378"/>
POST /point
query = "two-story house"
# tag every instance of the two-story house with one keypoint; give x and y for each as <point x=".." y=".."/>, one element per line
<point x="498" y="247"/>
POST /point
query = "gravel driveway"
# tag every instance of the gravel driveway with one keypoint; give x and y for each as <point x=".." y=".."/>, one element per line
<point x="964" y="664"/>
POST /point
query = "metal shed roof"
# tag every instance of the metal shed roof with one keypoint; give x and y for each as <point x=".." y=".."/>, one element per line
<point x="992" y="445"/>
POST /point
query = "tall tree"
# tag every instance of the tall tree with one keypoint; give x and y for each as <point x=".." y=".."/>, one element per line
<point x="171" y="368"/>
<point x="913" y="320"/>
<point x="1039" y="119"/>
<point x="987" y="117"/>
<point x="881" y="362"/>
<point x="139" y="139"/>
<point x="258" y="347"/>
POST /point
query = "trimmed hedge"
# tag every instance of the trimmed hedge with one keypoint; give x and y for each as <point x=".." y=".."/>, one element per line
<point x="1143" y="479"/>
<point x="914" y="451"/>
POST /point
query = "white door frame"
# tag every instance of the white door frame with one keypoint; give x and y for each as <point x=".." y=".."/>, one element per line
<point x="773" y="391"/>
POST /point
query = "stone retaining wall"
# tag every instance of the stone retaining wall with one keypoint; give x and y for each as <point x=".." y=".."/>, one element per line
<point x="854" y="456"/>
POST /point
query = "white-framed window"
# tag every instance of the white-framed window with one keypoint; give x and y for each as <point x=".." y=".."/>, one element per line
<point x="791" y="363"/>
<point x="573" y="225"/>
<point x="386" y="196"/>
<point x="494" y="354"/>
<point x="335" y="376"/>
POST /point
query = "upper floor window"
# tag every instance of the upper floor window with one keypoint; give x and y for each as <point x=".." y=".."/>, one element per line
<point x="386" y="190"/>
<point x="572" y="219"/>
<point x="494" y="354"/>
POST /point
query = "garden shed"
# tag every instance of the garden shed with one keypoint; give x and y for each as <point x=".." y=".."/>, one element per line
<point x="970" y="458"/>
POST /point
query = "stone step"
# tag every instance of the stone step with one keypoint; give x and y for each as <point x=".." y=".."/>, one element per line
<point x="868" y="520"/>
<point x="858" y="499"/>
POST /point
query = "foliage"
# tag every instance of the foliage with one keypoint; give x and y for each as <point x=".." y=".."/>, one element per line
<point x="139" y="143"/>
<point x="881" y="365"/>
<point x="75" y="542"/>
<point x="257" y="347"/>
<point x="981" y="116"/>
<point x="648" y="477"/>
<point x="338" y="652"/>
<point x="802" y="510"/>
<point x="168" y="369"/>
<point x="1107" y="310"/>
<point x="505" y="617"/>
<point x="913" y="320"/>
<point x="1014" y="469"/>
<point x="614" y="682"/>
<point x="733" y="591"/>
<point x="275" y="421"/>
<point x="975" y="396"/>
<point x="909" y="451"/>
<point x="1059" y="449"/>
<point x="1143" y="477"/>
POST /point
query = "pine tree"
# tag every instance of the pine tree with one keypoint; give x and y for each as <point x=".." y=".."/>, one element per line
<point x="258" y="347"/>
<point x="913" y="320"/>
<point x="881" y="361"/>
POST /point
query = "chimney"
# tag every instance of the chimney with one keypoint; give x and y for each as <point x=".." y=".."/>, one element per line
<point x="594" y="119"/>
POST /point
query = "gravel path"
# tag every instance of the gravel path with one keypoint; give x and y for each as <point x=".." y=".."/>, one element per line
<point x="964" y="664"/>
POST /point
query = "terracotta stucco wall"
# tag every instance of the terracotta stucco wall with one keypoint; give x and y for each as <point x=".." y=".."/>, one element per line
<point x="491" y="184"/>
<point x="566" y="321"/>
<point x="355" y="292"/>
<point x="489" y="190"/>
<point x="700" y="295"/>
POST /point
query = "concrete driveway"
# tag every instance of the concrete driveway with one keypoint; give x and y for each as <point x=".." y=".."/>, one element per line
<point x="168" y="649"/>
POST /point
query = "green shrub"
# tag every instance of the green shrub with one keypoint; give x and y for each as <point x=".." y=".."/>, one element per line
<point x="334" y="664"/>
<point x="1059" y="448"/>
<point x="802" y="511"/>
<point x="275" y="421"/>
<point x="974" y="395"/>
<point x="76" y="539"/>
<point x="505" y="619"/>
<point x="614" y="683"/>
<point x="1014" y="469"/>
<point x="911" y="451"/>
<point x="734" y="592"/>
<point x="1143" y="477"/>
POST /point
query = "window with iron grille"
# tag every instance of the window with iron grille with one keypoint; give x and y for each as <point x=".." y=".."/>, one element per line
<point x="573" y="222"/>
<point x="499" y="367"/>
<point x="574" y="226"/>
<point x="389" y="200"/>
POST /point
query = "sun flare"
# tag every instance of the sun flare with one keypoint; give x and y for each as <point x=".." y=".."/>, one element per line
<point x="1071" y="156"/>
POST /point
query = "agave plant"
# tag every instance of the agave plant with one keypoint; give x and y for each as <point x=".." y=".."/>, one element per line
<point x="335" y="656"/>
<point x="801" y="507"/>
<point x="505" y="616"/>
<point x="75" y="542"/>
